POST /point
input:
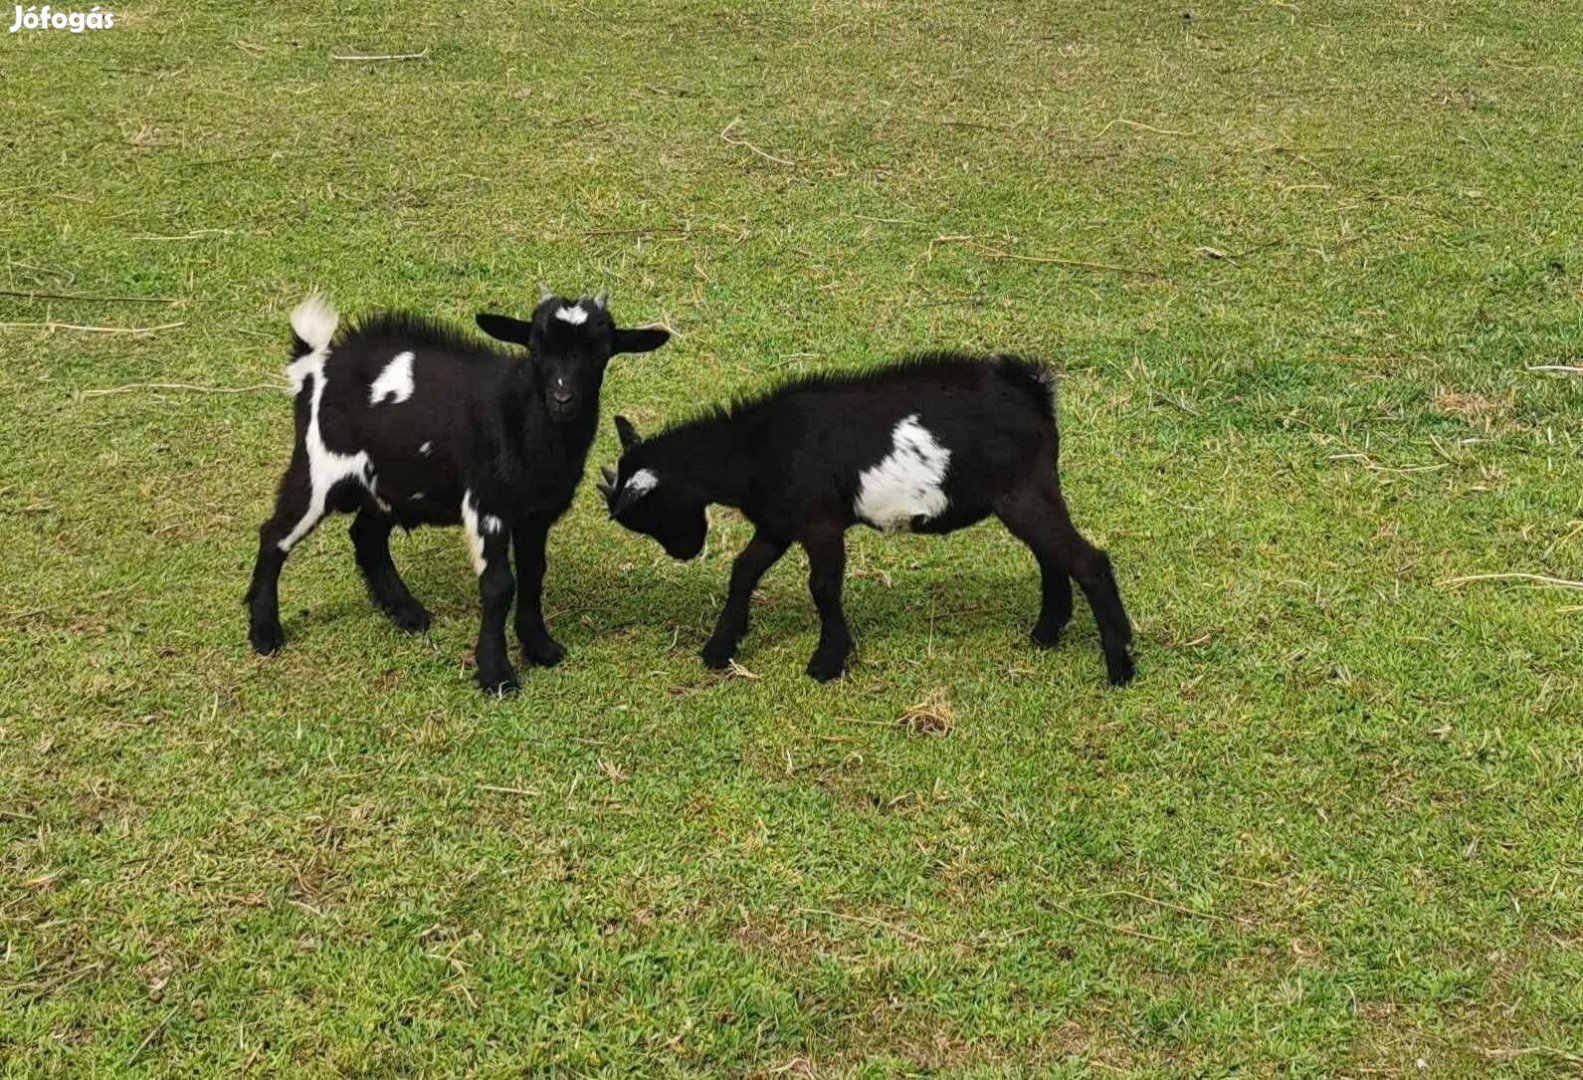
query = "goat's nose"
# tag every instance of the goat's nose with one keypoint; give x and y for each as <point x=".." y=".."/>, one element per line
<point x="561" y="397"/>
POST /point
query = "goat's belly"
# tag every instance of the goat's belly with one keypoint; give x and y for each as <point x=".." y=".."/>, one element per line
<point x="953" y="518"/>
<point x="892" y="507"/>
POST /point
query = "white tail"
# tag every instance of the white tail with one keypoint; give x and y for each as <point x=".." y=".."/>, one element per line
<point x="314" y="321"/>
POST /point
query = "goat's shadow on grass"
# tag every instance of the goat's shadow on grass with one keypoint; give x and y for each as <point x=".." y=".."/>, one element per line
<point x="584" y="603"/>
<point x="961" y="606"/>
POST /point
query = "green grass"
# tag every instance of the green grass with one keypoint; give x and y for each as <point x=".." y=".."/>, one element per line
<point x="1333" y="829"/>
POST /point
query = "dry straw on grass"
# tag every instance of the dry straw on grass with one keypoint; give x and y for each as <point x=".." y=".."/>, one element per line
<point x="931" y="716"/>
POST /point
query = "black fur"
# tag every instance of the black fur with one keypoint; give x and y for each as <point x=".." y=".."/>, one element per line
<point x="506" y="431"/>
<point x="792" y="460"/>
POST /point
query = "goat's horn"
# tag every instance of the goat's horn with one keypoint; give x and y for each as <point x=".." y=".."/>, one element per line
<point x="602" y="300"/>
<point x="610" y="477"/>
<point x="545" y="292"/>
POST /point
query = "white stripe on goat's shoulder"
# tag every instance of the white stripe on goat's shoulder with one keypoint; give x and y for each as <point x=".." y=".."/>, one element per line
<point x="574" y="314"/>
<point x="394" y="383"/>
<point x="908" y="483"/>
<point x="475" y="539"/>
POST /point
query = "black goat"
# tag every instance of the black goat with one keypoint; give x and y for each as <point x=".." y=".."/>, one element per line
<point x="931" y="444"/>
<point x="410" y="423"/>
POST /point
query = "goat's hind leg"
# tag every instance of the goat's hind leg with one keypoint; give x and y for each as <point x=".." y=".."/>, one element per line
<point x="371" y="541"/>
<point x="1055" y="606"/>
<point x="1037" y="516"/>
<point x="296" y="513"/>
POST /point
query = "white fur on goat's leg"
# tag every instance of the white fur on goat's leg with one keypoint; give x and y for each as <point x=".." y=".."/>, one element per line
<point x="477" y="526"/>
<point x="475" y="539"/>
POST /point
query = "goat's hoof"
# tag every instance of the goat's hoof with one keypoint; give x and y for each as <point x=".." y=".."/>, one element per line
<point x="1120" y="670"/>
<point x="716" y="658"/>
<point x="825" y="668"/>
<point x="1046" y="637"/>
<point x="544" y="652"/>
<point x="499" y="684"/>
<point x="267" y="637"/>
<point x="412" y="617"/>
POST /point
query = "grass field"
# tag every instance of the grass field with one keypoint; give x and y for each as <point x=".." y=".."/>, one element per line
<point x="1294" y="260"/>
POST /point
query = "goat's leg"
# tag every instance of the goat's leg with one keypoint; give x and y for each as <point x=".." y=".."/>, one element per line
<point x="1055" y="603"/>
<point x="1038" y="517"/>
<point x="1032" y="527"/>
<point x="371" y="542"/>
<point x="826" y="549"/>
<point x="529" y="536"/>
<point x="495" y="673"/>
<point x="751" y="565"/>
<point x="296" y="513"/>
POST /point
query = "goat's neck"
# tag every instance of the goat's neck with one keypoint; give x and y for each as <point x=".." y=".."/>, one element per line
<point x="540" y="434"/>
<point x="713" y="457"/>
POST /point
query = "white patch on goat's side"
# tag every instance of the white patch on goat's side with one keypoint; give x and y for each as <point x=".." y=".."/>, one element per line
<point x="395" y="382"/>
<point x="908" y="484"/>
<point x="326" y="468"/>
<point x="475" y="539"/>
<point x="641" y="483"/>
<point x="425" y="448"/>
<point x="574" y="314"/>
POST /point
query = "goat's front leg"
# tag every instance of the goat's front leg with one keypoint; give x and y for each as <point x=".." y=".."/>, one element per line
<point x="529" y="535"/>
<point x="751" y="565"/>
<point x="826" y="549"/>
<point x="495" y="673"/>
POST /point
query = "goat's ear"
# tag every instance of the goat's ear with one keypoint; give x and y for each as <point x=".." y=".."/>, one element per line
<point x="629" y="434"/>
<point x="647" y="339"/>
<point x="505" y="328"/>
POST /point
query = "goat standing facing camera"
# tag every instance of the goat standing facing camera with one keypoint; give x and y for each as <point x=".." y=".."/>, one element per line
<point x="407" y="422"/>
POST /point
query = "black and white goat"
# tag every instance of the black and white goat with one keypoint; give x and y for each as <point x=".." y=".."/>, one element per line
<point x="931" y="444"/>
<point x="407" y="422"/>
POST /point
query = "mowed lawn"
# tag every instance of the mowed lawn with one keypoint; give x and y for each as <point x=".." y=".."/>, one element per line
<point x="1295" y="262"/>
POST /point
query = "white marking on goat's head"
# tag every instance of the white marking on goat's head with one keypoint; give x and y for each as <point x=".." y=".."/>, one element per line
<point x="425" y="449"/>
<point x="394" y="384"/>
<point x="574" y="314"/>
<point x="621" y="499"/>
<point x="641" y="483"/>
